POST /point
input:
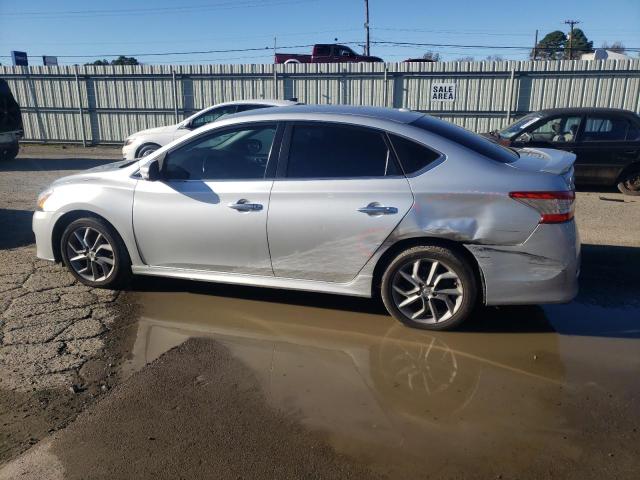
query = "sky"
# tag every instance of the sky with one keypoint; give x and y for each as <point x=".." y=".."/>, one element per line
<point x="91" y="30"/>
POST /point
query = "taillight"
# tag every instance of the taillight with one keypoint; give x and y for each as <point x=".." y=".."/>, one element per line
<point x="554" y="207"/>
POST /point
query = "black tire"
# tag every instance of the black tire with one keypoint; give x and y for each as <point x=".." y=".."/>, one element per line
<point x="120" y="275"/>
<point x="9" y="152"/>
<point x="453" y="262"/>
<point x="147" y="149"/>
<point x="630" y="182"/>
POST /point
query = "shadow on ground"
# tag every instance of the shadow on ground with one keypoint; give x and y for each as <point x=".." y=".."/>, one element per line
<point x="51" y="164"/>
<point x="15" y="228"/>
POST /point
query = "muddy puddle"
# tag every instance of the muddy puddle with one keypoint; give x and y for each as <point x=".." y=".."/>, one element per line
<point x="552" y="389"/>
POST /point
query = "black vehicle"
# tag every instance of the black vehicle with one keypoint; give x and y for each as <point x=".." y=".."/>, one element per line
<point x="606" y="142"/>
<point x="10" y="123"/>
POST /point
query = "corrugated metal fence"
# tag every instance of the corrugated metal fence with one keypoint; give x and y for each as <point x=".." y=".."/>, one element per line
<point x="105" y="104"/>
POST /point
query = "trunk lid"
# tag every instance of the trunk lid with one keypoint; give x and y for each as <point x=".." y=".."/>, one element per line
<point x="547" y="160"/>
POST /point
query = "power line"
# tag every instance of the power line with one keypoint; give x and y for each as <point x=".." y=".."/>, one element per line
<point x="497" y="47"/>
<point x="159" y="10"/>
<point x="286" y="47"/>
<point x="453" y="32"/>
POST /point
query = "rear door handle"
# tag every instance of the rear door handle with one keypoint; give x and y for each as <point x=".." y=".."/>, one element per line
<point x="243" y="205"/>
<point x="375" y="209"/>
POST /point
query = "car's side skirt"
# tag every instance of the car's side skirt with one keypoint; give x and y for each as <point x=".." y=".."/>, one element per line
<point x="358" y="287"/>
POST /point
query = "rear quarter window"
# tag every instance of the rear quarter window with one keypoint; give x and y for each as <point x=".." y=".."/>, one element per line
<point x="472" y="141"/>
<point x="412" y="156"/>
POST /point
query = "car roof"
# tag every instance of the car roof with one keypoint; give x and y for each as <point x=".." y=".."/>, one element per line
<point x="332" y="113"/>
<point x="582" y="110"/>
<point x="257" y="101"/>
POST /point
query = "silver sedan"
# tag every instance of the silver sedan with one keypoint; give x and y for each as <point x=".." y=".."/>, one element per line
<point x="344" y="200"/>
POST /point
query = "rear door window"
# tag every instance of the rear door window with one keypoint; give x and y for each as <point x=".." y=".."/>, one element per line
<point x="338" y="151"/>
<point x="212" y="115"/>
<point x="603" y="128"/>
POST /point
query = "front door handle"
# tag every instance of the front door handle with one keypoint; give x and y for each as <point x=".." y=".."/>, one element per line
<point x="243" y="205"/>
<point x="375" y="209"/>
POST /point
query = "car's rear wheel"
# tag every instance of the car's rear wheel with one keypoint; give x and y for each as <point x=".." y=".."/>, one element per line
<point x="429" y="287"/>
<point x="147" y="149"/>
<point x="630" y="182"/>
<point x="95" y="254"/>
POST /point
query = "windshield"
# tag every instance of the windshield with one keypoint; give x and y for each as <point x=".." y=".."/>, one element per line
<point x="516" y="127"/>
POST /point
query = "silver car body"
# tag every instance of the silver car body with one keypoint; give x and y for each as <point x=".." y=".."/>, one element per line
<point x="310" y="235"/>
<point x="164" y="135"/>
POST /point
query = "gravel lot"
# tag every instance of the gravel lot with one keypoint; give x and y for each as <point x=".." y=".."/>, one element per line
<point x="63" y="345"/>
<point x="53" y="331"/>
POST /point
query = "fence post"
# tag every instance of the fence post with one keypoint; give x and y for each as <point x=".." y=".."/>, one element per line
<point x="274" y="92"/>
<point x="175" y="96"/>
<point x="84" y="137"/>
<point x="32" y="90"/>
<point x="385" y="94"/>
<point x="510" y="100"/>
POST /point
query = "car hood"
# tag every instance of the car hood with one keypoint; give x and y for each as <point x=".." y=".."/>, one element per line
<point x="155" y="131"/>
<point x="93" y="173"/>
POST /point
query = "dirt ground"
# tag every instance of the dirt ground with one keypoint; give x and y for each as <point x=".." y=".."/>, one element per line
<point x="210" y="381"/>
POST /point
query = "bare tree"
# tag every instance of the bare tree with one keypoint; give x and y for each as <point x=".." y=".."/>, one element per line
<point x="616" y="46"/>
<point x="432" y="56"/>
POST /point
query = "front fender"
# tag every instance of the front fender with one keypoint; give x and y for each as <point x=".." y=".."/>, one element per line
<point x="109" y="199"/>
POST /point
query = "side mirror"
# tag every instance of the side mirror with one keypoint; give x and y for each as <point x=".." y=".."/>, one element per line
<point x="524" y="138"/>
<point x="151" y="171"/>
<point x="185" y="126"/>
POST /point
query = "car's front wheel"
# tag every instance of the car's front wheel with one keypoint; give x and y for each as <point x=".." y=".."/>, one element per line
<point x="95" y="254"/>
<point x="147" y="149"/>
<point x="630" y="182"/>
<point x="429" y="287"/>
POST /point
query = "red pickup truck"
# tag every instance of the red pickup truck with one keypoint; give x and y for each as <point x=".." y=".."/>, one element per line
<point x="326" y="53"/>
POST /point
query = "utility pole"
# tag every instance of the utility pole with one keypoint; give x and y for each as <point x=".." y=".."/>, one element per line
<point x="571" y="23"/>
<point x="366" y="27"/>
<point x="535" y="46"/>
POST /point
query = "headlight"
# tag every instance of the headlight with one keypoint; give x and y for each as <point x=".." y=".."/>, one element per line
<point x="42" y="199"/>
<point x="129" y="141"/>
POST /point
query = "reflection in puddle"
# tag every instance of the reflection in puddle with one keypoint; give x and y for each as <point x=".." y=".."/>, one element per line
<point x="376" y="387"/>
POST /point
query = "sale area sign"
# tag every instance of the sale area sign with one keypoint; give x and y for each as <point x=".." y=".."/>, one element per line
<point x="443" y="92"/>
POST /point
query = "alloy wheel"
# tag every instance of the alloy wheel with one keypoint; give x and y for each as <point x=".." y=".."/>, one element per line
<point x="427" y="291"/>
<point x="90" y="254"/>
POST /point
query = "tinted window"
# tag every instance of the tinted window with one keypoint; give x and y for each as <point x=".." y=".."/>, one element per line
<point x="598" y="129"/>
<point x="557" y="130"/>
<point x="244" y="108"/>
<point x="634" y="131"/>
<point x="336" y="151"/>
<point x="232" y="154"/>
<point x="212" y="116"/>
<point x="474" y="142"/>
<point x="412" y="155"/>
<point x="322" y="50"/>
